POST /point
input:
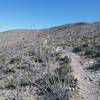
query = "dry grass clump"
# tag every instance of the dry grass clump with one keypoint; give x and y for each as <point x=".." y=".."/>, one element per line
<point x="2" y="58"/>
<point x="16" y="60"/>
<point x="17" y="81"/>
<point x="57" y="85"/>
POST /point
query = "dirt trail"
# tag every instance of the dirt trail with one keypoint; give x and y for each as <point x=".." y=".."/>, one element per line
<point x="87" y="89"/>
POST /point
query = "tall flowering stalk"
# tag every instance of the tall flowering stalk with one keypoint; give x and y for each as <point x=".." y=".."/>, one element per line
<point x="43" y="50"/>
<point x="38" y="43"/>
<point x="46" y="50"/>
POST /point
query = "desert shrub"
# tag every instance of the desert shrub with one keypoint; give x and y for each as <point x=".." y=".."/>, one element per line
<point x="2" y="59"/>
<point x="16" y="60"/>
<point x="92" y="51"/>
<point x="38" y="59"/>
<point x="99" y="83"/>
<point x="84" y="45"/>
<point x="8" y="82"/>
<point x="18" y="63"/>
<point x="12" y="61"/>
<point x="94" y="67"/>
<point x="15" y="81"/>
<point x="56" y="85"/>
<point x="57" y="56"/>
<point x="89" y="51"/>
<point x="97" y="54"/>
<point x="9" y="69"/>
<point x="64" y="71"/>
<point x="22" y="81"/>
<point x="64" y="60"/>
<point x="76" y="49"/>
<point x="31" y="53"/>
<point x="80" y="47"/>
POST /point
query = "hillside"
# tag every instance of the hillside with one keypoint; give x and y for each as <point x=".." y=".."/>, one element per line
<point x="58" y="63"/>
<point x="58" y="32"/>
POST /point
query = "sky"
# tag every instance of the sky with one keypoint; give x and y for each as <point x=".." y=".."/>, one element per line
<point x="38" y="14"/>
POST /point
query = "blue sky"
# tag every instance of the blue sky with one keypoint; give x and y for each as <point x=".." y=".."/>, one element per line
<point x="36" y="14"/>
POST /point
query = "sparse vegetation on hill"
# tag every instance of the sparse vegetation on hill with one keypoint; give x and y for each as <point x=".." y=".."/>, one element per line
<point x="34" y="64"/>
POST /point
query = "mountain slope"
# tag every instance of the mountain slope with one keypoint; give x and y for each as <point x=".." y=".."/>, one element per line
<point x="24" y="59"/>
<point x="56" y="32"/>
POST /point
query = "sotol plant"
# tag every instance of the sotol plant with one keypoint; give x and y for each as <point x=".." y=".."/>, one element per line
<point x="54" y="85"/>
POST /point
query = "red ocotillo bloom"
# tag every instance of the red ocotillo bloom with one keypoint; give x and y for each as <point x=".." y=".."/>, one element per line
<point x="38" y="35"/>
<point x="36" y="54"/>
<point x="46" y="52"/>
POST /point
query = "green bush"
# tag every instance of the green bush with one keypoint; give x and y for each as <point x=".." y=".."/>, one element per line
<point x="12" y="82"/>
<point x="9" y="82"/>
<point x="22" y="81"/>
<point x="9" y="69"/>
<point x="89" y="51"/>
<point x="57" y="56"/>
<point x="2" y="59"/>
<point x="16" y="60"/>
<point x="64" y="60"/>
<point x="97" y="54"/>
